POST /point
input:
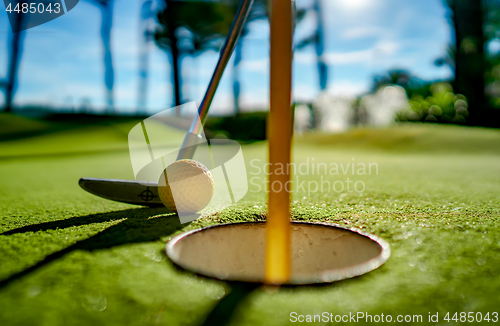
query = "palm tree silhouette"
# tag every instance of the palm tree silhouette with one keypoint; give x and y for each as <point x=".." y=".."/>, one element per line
<point x="147" y="26"/>
<point x="15" y="49"/>
<point x="106" y="7"/>
<point x="189" y="28"/>
<point x="317" y="39"/>
<point x="258" y="11"/>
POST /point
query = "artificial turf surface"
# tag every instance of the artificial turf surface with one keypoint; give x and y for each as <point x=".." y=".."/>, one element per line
<point x="70" y="258"/>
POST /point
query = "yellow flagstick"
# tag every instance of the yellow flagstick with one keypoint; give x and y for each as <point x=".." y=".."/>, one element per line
<point x="280" y="129"/>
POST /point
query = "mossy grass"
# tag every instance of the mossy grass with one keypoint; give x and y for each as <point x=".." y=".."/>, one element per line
<point x="70" y="258"/>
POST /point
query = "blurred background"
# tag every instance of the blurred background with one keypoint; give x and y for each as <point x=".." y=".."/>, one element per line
<point x="356" y="63"/>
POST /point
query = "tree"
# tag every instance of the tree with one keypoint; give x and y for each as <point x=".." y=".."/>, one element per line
<point x="238" y="51"/>
<point x="205" y="23"/>
<point x="147" y="26"/>
<point x="317" y="39"/>
<point x="475" y="23"/>
<point x="106" y="7"/>
<point x="467" y="18"/>
<point x="258" y="11"/>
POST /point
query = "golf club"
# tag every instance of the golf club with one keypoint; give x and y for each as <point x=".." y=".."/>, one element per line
<point x="146" y="194"/>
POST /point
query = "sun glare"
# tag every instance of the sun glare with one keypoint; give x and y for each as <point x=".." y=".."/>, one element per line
<point x="355" y="4"/>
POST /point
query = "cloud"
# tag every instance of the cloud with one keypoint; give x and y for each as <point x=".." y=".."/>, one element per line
<point x="261" y="65"/>
<point x="255" y="98"/>
<point x="350" y="7"/>
<point x="194" y="70"/>
<point x="345" y="87"/>
<point x="304" y="92"/>
<point x="304" y="57"/>
<point x="355" y="5"/>
<point x="362" y="56"/>
<point x="384" y="47"/>
<point x="361" y="32"/>
<point x="387" y="47"/>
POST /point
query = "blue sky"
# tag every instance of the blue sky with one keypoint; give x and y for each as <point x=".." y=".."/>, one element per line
<point x="62" y="61"/>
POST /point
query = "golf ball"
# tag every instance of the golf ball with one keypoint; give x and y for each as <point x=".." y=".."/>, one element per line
<point x="186" y="187"/>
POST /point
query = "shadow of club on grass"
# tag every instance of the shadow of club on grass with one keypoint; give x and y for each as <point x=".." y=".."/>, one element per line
<point x="138" y="225"/>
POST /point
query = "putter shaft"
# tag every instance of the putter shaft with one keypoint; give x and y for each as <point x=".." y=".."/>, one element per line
<point x="192" y="137"/>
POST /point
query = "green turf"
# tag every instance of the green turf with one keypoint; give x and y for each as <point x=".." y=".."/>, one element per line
<point x="69" y="258"/>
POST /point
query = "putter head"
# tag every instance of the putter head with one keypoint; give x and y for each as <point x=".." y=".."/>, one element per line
<point x="124" y="191"/>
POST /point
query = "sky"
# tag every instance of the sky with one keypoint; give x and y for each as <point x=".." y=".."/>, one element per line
<point x="62" y="64"/>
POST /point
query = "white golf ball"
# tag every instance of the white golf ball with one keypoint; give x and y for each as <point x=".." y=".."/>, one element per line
<point x="186" y="187"/>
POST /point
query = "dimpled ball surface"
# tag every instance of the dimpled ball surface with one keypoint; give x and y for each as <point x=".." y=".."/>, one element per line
<point x="192" y="184"/>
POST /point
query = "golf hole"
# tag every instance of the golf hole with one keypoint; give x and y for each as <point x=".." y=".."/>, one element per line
<point x="321" y="253"/>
